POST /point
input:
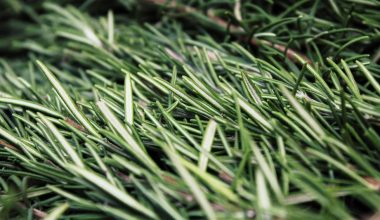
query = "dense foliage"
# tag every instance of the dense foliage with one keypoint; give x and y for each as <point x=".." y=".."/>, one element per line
<point x="197" y="109"/>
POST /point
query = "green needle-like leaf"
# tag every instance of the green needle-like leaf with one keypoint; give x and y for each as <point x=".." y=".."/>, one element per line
<point x="57" y="212"/>
<point x="207" y="143"/>
<point x="113" y="191"/>
<point x="67" y="99"/>
<point x="63" y="142"/>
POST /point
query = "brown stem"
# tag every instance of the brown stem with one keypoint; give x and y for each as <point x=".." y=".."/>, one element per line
<point x="289" y="53"/>
<point x="226" y="177"/>
<point x="39" y="214"/>
<point x="373" y="182"/>
<point x="7" y="145"/>
<point x="36" y="212"/>
<point x="74" y="124"/>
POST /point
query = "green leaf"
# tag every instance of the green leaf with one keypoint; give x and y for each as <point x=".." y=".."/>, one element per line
<point x="67" y="99"/>
<point x="63" y="142"/>
<point x="207" y="141"/>
<point x="113" y="191"/>
<point x="126" y="135"/>
<point x="57" y="212"/>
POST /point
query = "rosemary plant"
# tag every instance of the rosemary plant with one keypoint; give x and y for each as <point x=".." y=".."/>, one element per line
<point x="198" y="109"/>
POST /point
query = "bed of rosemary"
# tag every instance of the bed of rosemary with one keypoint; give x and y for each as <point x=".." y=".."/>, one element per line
<point x="199" y="109"/>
